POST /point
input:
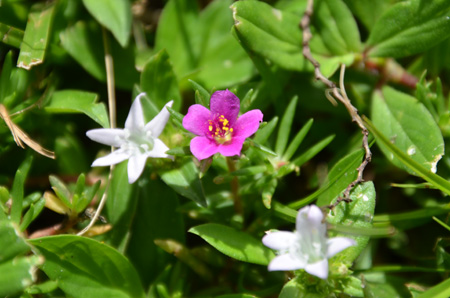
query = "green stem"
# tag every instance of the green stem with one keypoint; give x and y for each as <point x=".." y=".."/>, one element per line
<point x="235" y="188"/>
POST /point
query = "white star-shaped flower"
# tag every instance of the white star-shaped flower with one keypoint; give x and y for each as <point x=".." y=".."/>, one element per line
<point x="306" y="248"/>
<point x="136" y="142"/>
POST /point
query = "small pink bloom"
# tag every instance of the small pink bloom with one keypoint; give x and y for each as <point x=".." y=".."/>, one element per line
<point x="220" y="130"/>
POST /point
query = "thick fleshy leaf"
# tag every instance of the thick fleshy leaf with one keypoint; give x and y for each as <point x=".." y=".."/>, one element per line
<point x="83" y="41"/>
<point x="410" y="27"/>
<point x="37" y="35"/>
<point x="114" y="15"/>
<point x="285" y="126"/>
<point x="18" y="189"/>
<point x="86" y="268"/>
<point x="359" y="214"/>
<point x="157" y="206"/>
<point x="160" y="83"/>
<point x="269" y="32"/>
<point x="185" y="181"/>
<point x="336" y="26"/>
<point x="234" y="243"/>
<point x="11" y="36"/>
<point x="410" y="126"/>
<point x="75" y="101"/>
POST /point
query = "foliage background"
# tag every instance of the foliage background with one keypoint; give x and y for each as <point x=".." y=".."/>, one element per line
<point x="53" y="60"/>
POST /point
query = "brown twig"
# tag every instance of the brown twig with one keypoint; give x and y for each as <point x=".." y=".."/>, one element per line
<point x="336" y="93"/>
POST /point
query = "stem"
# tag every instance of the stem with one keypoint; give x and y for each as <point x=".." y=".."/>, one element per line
<point x="235" y="188"/>
<point x="112" y="122"/>
<point x="335" y="93"/>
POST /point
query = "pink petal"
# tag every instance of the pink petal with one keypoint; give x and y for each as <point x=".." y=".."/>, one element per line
<point x="247" y="124"/>
<point x="280" y="240"/>
<point x="232" y="148"/>
<point x="203" y="147"/>
<point x="196" y="120"/>
<point x="107" y="136"/>
<point x="319" y="269"/>
<point x="225" y="103"/>
<point x="136" y="165"/>
<point x="338" y="244"/>
<point x="286" y="263"/>
<point x="135" y="119"/>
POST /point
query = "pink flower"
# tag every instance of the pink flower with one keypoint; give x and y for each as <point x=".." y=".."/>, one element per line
<point x="220" y="130"/>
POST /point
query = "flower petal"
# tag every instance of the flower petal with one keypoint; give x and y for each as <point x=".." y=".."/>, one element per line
<point x="310" y="217"/>
<point x="107" y="136"/>
<point x="232" y="148"/>
<point x="136" y="165"/>
<point x="203" y="147"/>
<point x="196" y="120"/>
<point x="280" y="240"/>
<point x="286" y="263"/>
<point x="157" y="124"/>
<point x="225" y="103"/>
<point x="135" y="119"/>
<point x="111" y="159"/>
<point x="319" y="269"/>
<point x="159" y="150"/>
<point x="338" y="244"/>
<point x="247" y="124"/>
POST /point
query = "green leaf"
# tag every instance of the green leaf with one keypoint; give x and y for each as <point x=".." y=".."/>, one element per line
<point x="36" y="36"/>
<point x="157" y="206"/>
<point x="441" y="290"/>
<point x="178" y="34"/>
<point x="285" y="126"/>
<point x="410" y="27"/>
<point x="74" y="101"/>
<point x="368" y="11"/>
<point x="269" y="32"/>
<point x="298" y="139"/>
<point x="11" y="36"/>
<point x="12" y="244"/>
<point x="159" y="82"/>
<point x="408" y="125"/>
<point x="336" y="26"/>
<point x="263" y="134"/>
<point x="20" y="274"/>
<point x="202" y="95"/>
<point x="83" y="41"/>
<point x="295" y="289"/>
<point x="234" y="243"/>
<point x="120" y="207"/>
<point x="114" y="15"/>
<point x="33" y="212"/>
<point x="436" y="180"/>
<point x="61" y="190"/>
<point x="339" y="177"/>
<point x="185" y="181"/>
<point x="18" y="189"/>
<point x="358" y="214"/>
<point x="312" y="151"/>
<point x="86" y="268"/>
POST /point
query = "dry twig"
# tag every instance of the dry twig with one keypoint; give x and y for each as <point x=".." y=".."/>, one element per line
<point x="335" y="93"/>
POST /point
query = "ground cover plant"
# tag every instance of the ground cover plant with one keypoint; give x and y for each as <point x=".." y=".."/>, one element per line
<point x="233" y="149"/>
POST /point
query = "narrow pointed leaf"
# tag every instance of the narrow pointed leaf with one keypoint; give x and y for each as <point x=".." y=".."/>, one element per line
<point x="285" y="127"/>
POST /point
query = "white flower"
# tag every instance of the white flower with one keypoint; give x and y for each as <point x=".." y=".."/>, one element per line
<point x="136" y="142"/>
<point x="306" y="248"/>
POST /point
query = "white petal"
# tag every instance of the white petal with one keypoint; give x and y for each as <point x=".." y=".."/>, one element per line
<point x="286" y="263"/>
<point x="319" y="269"/>
<point x="136" y="165"/>
<point x="159" y="150"/>
<point x="310" y="217"/>
<point x="280" y="240"/>
<point x="157" y="124"/>
<point x="111" y="159"/>
<point x="107" y="136"/>
<point x="135" y="119"/>
<point x="338" y="244"/>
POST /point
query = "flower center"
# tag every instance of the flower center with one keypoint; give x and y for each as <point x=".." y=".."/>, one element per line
<point x="220" y="129"/>
<point x="138" y="141"/>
